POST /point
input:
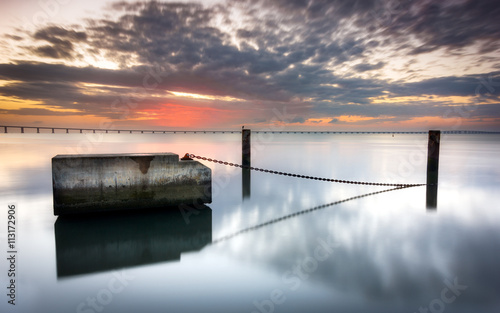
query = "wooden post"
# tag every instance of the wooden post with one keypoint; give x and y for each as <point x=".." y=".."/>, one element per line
<point x="5" y="129"/>
<point x="432" y="168"/>
<point x="38" y="130"/>
<point x="245" y="161"/>
<point x="22" y="130"/>
<point x="245" y="147"/>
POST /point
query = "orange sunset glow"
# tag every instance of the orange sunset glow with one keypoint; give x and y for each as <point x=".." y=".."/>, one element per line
<point x="161" y="65"/>
<point x="178" y="116"/>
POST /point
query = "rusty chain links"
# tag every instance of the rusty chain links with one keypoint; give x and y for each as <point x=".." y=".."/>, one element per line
<point x="300" y="176"/>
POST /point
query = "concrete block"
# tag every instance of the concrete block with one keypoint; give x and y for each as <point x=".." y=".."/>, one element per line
<point x="101" y="183"/>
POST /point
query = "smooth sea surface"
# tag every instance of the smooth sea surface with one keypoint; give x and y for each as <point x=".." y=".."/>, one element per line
<point x="266" y="243"/>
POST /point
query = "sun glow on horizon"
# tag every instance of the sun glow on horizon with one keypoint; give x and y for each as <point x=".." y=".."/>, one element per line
<point x="177" y="115"/>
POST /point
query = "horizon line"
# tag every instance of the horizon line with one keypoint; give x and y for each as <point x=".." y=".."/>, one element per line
<point x="164" y="131"/>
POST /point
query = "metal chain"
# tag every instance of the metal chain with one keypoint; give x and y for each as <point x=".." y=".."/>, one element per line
<point x="301" y="176"/>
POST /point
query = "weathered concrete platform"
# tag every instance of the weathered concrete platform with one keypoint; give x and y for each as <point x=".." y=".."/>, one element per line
<point x="101" y="183"/>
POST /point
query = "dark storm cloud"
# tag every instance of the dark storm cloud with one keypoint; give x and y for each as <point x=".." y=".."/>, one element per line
<point x="41" y="91"/>
<point x="29" y="71"/>
<point x="172" y="33"/>
<point x="55" y="34"/>
<point x="61" y="42"/>
<point x="183" y="36"/>
<point x="58" y="95"/>
<point x="437" y="24"/>
<point x="408" y="111"/>
<point x="363" y="67"/>
<point x="55" y="84"/>
<point x="450" y="24"/>
<point x="57" y="51"/>
<point x="470" y="85"/>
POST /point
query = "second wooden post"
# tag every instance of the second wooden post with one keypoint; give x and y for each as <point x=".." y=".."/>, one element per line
<point x="432" y="168"/>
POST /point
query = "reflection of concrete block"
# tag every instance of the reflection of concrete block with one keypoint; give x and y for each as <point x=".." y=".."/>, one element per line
<point x="96" y="183"/>
<point x="103" y="242"/>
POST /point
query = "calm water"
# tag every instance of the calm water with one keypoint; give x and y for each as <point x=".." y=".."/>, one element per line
<point x="380" y="253"/>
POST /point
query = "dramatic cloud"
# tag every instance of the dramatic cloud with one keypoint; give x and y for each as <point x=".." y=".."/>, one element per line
<point x="61" y="42"/>
<point x="394" y="60"/>
<point x="368" y="67"/>
<point x="450" y="24"/>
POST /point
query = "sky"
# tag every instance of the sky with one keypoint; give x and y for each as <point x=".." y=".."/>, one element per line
<point x="275" y="64"/>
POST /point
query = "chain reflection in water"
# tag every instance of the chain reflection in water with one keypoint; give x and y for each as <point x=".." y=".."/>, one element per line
<point x="289" y="216"/>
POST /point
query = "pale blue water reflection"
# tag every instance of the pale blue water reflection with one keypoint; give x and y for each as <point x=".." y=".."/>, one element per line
<point x="380" y="253"/>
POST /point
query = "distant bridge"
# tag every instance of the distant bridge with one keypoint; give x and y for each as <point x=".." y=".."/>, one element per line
<point x="67" y="130"/>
